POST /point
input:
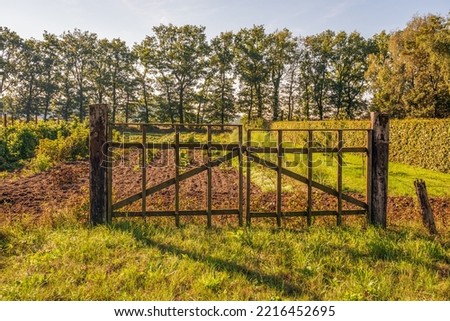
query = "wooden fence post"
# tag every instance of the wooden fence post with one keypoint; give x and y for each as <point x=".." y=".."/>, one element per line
<point x="379" y="168"/>
<point x="5" y="120"/>
<point x="427" y="212"/>
<point x="98" y="121"/>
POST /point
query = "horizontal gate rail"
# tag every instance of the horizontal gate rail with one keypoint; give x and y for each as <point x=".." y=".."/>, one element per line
<point x="305" y="150"/>
<point x="305" y="213"/>
<point x="174" y="213"/>
<point x="166" y="145"/>
<point x="251" y="149"/>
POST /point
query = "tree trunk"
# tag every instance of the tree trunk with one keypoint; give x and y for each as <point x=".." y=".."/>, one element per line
<point x="222" y="94"/>
<point x="180" y="105"/>
<point x="114" y="102"/>
<point x="80" y="107"/>
<point x="29" y="101"/>
<point x="47" y="107"/>
<point x="127" y="107"/>
<point x="145" y="103"/>
<point x="276" y="99"/>
<point x="259" y="100"/>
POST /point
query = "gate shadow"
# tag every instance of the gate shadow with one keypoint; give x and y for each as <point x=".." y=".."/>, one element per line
<point x="272" y="281"/>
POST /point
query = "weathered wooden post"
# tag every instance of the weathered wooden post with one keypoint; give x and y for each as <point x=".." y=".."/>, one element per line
<point x="424" y="202"/>
<point x="379" y="168"/>
<point x="98" y="121"/>
<point x="5" y="120"/>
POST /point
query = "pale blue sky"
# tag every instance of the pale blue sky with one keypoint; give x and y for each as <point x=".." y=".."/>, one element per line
<point x="131" y="20"/>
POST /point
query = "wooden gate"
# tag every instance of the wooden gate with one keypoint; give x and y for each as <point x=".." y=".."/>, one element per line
<point x="102" y="210"/>
<point x="309" y="149"/>
<point x="233" y="150"/>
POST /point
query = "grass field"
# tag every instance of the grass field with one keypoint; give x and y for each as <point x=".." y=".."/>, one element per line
<point x="67" y="260"/>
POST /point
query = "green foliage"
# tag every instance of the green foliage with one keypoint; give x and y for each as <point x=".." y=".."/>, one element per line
<point x="71" y="148"/>
<point x="21" y="144"/>
<point x="409" y="74"/>
<point x="48" y="141"/>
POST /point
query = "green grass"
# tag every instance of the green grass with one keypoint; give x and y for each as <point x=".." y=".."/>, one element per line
<point x="156" y="261"/>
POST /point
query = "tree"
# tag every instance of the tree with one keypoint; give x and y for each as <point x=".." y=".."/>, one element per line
<point x="29" y="68"/>
<point x="348" y="65"/>
<point x="292" y="83"/>
<point x="252" y="66"/>
<point x="221" y="78"/>
<point x="51" y="73"/>
<point x="318" y="50"/>
<point x="281" y="53"/>
<point x="77" y="48"/>
<point x="412" y="78"/>
<point x="10" y="43"/>
<point x="179" y="57"/>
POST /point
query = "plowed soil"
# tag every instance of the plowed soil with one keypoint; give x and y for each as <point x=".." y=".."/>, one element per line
<point x="68" y="184"/>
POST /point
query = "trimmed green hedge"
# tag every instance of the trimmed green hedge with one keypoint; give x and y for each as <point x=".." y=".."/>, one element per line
<point x="420" y="142"/>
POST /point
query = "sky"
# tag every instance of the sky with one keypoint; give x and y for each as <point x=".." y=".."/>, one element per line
<point x="132" y="20"/>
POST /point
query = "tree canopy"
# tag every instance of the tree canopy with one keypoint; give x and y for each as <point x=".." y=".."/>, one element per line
<point x="176" y="74"/>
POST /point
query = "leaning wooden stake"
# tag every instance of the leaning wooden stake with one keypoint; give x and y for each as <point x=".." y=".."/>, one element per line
<point x="98" y="119"/>
<point x="427" y="212"/>
<point x="379" y="168"/>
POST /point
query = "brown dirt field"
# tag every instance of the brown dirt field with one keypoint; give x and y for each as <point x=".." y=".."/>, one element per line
<point x="67" y="184"/>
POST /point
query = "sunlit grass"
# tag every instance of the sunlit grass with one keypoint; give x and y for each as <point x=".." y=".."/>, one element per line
<point x="156" y="261"/>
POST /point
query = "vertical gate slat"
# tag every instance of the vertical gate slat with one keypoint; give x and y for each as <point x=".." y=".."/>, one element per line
<point x="279" y="164"/>
<point x="339" y="178"/>
<point x="209" y="172"/>
<point x="241" y="178"/>
<point x="310" y="176"/>
<point x="144" y="169"/>
<point x="177" y="175"/>
<point x="248" y="214"/>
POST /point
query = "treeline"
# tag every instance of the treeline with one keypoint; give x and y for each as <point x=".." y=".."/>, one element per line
<point x="177" y="75"/>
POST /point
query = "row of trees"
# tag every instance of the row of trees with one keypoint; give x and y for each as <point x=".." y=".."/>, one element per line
<point x="177" y="75"/>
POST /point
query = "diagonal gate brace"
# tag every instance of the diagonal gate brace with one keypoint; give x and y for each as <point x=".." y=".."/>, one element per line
<point x="171" y="181"/>
<point x="303" y="179"/>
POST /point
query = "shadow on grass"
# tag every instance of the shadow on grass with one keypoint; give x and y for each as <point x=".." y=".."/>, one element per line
<point x="275" y="282"/>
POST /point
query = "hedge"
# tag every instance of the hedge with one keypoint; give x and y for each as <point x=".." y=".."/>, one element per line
<point x="419" y="142"/>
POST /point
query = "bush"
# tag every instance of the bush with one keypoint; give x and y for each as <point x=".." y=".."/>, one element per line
<point x="71" y="148"/>
<point x="22" y="143"/>
<point x="41" y="163"/>
<point x="49" y="141"/>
